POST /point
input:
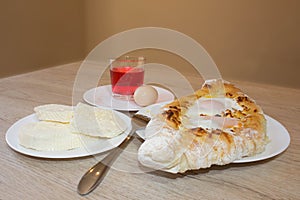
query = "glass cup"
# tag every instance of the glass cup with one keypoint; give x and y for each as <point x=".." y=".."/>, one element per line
<point x="126" y="75"/>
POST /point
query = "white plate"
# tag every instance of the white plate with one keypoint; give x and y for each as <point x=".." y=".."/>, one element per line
<point x="277" y="133"/>
<point x="280" y="140"/>
<point x="102" y="96"/>
<point x="91" y="148"/>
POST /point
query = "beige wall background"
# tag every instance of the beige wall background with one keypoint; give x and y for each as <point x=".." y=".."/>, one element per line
<point x="252" y="40"/>
<point x="35" y="34"/>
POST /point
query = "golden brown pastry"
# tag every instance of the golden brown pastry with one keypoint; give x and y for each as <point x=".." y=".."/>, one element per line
<point x="216" y="125"/>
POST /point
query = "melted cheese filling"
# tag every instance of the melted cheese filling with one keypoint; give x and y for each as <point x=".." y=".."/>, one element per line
<point x="206" y="113"/>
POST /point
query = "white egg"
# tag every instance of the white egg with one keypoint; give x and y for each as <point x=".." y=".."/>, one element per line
<point x="145" y="95"/>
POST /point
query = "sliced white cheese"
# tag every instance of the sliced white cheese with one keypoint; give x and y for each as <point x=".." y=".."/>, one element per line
<point x="97" y="122"/>
<point x="54" y="112"/>
<point x="48" y="136"/>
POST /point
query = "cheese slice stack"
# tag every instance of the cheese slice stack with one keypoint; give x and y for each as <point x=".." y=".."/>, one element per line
<point x="54" y="112"/>
<point x="97" y="122"/>
<point x="48" y="136"/>
<point x="62" y="127"/>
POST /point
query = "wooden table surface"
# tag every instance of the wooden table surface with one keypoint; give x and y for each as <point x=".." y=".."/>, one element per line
<point x="25" y="177"/>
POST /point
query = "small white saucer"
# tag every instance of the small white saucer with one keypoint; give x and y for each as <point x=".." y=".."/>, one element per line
<point x="102" y="97"/>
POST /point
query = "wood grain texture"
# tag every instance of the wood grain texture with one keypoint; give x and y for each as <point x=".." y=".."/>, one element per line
<point x="25" y="177"/>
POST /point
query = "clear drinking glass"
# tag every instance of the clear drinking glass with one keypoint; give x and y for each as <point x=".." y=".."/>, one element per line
<point x="126" y="75"/>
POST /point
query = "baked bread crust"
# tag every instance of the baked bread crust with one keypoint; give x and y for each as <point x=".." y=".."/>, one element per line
<point x="243" y="131"/>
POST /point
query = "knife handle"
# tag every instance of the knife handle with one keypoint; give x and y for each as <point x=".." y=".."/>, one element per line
<point x="94" y="176"/>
